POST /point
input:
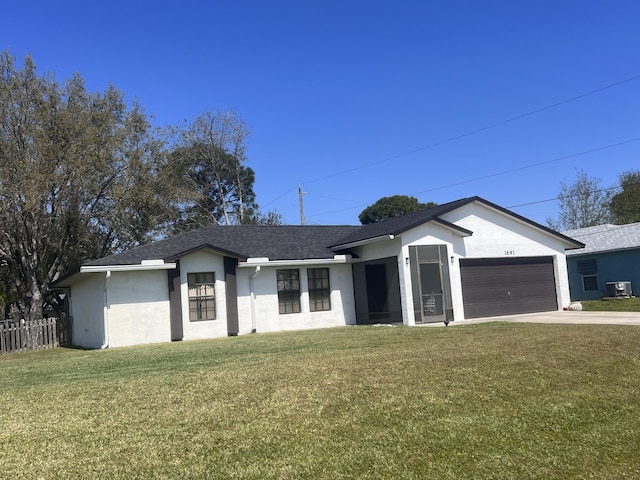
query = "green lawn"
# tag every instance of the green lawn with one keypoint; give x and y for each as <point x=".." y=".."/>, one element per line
<point x="485" y="401"/>
<point x="613" y="305"/>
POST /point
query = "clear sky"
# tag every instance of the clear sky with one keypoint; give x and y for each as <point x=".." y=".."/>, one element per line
<point x="360" y="99"/>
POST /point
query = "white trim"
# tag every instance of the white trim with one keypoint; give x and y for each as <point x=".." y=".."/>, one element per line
<point x="265" y="262"/>
<point x="452" y="227"/>
<point x="363" y="242"/>
<point x="127" y="268"/>
<point x="252" y="292"/>
<point x="153" y="261"/>
<point x="257" y="260"/>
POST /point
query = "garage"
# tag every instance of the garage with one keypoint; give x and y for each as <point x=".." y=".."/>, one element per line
<point x="507" y="286"/>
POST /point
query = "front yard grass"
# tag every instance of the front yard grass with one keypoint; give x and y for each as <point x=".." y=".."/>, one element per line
<point x="485" y="401"/>
<point x="612" y="305"/>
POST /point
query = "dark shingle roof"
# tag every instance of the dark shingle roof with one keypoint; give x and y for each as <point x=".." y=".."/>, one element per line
<point x="284" y="242"/>
<point x="397" y="225"/>
<point x="241" y="241"/>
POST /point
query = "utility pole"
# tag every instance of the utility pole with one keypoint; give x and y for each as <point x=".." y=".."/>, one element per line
<point x="300" y="193"/>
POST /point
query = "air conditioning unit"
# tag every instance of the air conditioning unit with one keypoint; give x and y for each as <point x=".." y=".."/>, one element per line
<point x="618" y="289"/>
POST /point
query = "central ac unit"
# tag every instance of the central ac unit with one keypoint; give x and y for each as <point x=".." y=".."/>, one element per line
<point x="618" y="289"/>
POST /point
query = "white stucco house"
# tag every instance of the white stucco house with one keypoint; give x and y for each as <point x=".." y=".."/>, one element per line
<point x="461" y="260"/>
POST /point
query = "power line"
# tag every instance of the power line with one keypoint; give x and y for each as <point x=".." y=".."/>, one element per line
<point x="484" y="177"/>
<point x="279" y="197"/>
<point x="457" y="137"/>
<point x="334" y="198"/>
<point x="573" y="155"/>
<point x="554" y="199"/>
<point x="477" y="130"/>
<point x="559" y="197"/>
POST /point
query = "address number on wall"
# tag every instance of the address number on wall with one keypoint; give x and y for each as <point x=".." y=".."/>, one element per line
<point x="509" y="252"/>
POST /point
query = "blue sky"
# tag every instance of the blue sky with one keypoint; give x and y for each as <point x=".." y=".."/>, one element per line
<point x="360" y="99"/>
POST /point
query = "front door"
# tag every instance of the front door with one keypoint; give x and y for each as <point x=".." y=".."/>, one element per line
<point x="431" y="292"/>
<point x="376" y="287"/>
<point x="431" y="285"/>
<point x="376" y="276"/>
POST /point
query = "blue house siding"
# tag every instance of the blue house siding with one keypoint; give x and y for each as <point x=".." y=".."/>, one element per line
<point x="618" y="266"/>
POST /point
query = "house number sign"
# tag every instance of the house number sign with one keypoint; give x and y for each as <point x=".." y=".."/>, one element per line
<point x="509" y="252"/>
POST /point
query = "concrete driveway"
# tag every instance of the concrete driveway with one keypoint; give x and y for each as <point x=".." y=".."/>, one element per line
<point x="600" y="318"/>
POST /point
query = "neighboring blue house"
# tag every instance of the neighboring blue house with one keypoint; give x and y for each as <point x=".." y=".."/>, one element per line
<point x="611" y="255"/>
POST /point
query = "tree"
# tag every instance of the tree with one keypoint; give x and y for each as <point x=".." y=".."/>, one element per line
<point x="582" y="204"/>
<point x="76" y="170"/>
<point x="136" y="208"/>
<point x="271" y="217"/>
<point x="393" y="206"/>
<point x="84" y="175"/>
<point x="7" y="296"/>
<point x="213" y="184"/>
<point x="625" y="206"/>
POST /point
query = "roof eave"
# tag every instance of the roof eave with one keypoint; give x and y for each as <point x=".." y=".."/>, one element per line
<point x="145" y="265"/>
<point x="608" y="250"/>
<point x="206" y="246"/>
<point x="346" y="246"/>
<point x="266" y="262"/>
<point x="463" y="232"/>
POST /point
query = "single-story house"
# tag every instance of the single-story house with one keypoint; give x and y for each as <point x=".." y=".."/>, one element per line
<point x="461" y="260"/>
<point x="609" y="263"/>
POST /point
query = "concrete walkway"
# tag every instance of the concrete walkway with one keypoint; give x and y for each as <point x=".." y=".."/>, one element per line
<point x="600" y="318"/>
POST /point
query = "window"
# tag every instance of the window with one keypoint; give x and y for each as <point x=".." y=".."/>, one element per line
<point x="589" y="283"/>
<point x="588" y="269"/>
<point x="202" y="298"/>
<point x="288" y="291"/>
<point x="319" y="291"/>
<point x="588" y="266"/>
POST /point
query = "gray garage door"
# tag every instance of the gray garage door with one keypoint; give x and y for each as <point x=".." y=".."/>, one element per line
<point x="507" y="286"/>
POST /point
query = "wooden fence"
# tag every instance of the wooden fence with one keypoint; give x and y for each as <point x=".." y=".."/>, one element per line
<point x="35" y="335"/>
